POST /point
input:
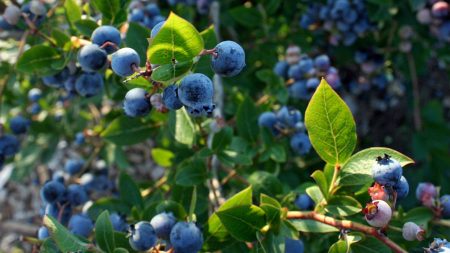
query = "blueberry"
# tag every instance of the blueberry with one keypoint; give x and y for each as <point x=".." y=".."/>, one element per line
<point x="281" y="69"/>
<point x="300" y="143"/>
<point x="293" y="246"/>
<point x="136" y="15"/>
<point x="57" y="81"/>
<point x="80" y="225"/>
<point x="412" y="232"/>
<point x="287" y="117"/>
<point x="54" y="210"/>
<point x="4" y="25"/>
<point x="73" y="166"/>
<point x="35" y="109"/>
<point x="203" y="6"/>
<point x="142" y="236"/>
<point x="196" y="90"/>
<point x="92" y="58"/>
<point x="34" y="94"/>
<point x="118" y="222"/>
<point x="43" y="233"/>
<point x="229" y="59"/>
<point x="76" y="194"/>
<point x="186" y="237"/>
<point x="156" y="28"/>
<point x="52" y="191"/>
<point x="124" y="60"/>
<point x="136" y="103"/>
<point x="269" y="120"/>
<point x="37" y="8"/>
<point x="19" y="125"/>
<point x="322" y="62"/>
<point x="89" y="84"/>
<point x="306" y="65"/>
<point x="312" y="84"/>
<point x="426" y="193"/>
<point x="104" y="34"/>
<point x="58" y="176"/>
<point x="378" y="213"/>
<point x="9" y="145"/>
<point x="402" y="188"/>
<point x="156" y="20"/>
<point x="298" y="90"/>
<point x="387" y="171"/>
<point x="152" y="10"/>
<point x="304" y="202"/>
<point x="444" y="31"/>
<point x="163" y="224"/>
<point x="12" y="14"/>
<point x="445" y="205"/>
<point x="79" y="138"/>
<point x="170" y="97"/>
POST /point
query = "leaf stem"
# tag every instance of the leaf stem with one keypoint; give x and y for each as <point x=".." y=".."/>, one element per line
<point x="441" y="222"/>
<point x="346" y="224"/>
<point x="337" y="168"/>
<point x="191" y="216"/>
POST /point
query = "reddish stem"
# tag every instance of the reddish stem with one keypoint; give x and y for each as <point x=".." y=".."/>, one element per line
<point x="209" y="52"/>
<point x="346" y="224"/>
<point x="109" y="44"/>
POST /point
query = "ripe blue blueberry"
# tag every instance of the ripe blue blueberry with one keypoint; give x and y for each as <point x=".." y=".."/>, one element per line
<point x="35" y="109"/>
<point x="57" y="80"/>
<point x="79" y="138"/>
<point x="186" y="237"/>
<point x="196" y="90"/>
<point x="76" y="194"/>
<point x="229" y="59"/>
<point x="156" y="28"/>
<point x="52" y="191"/>
<point x="281" y="69"/>
<point x="312" y="84"/>
<point x="124" y="61"/>
<point x="304" y="202"/>
<point x="300" y="143"/>
<point x="104" y="34"/>
<point x="322" y="62"/>
<point x="19" y="125"/>
<point x="268" y="120"/>
<point x="170" y="97"/>
<point x="9" y="145"/>
<point x="387" y="171"/>
<point x="142" y="236"/>
<point x="73" y="166"/>
<point x="136" y="103"/>
<point x="118" y="222"/>
<point x="54" y="210"/>
<point x="70" y="84"/>
<point x="152" y="10"/>
<point x="92" y="58"/>
<point x="163" y="224"/>
<point x="136" y="15"/>
<point x="43" y="233"/>
<point x="81" y="225"/>
<point x="4" y="25"/>
<point x="298" y="90"/>
<point x="288" y="117"/>
<point x="445" y="205"/>
<point x="34" y="94"/>
<point x="89" y="84"/>
<point x="402" y="188"/>
<point x="293" y="246"/>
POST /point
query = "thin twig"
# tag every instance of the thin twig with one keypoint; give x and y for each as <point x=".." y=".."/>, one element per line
<point x="346" y="224"/>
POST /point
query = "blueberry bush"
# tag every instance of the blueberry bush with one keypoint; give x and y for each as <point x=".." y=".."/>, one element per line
<point x="224" y="126"/>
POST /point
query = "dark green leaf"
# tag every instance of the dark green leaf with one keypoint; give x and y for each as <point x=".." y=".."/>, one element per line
<point x="343" y="206"/>
<point x="247" y="120"/>
<point x="73" y="11"/>
<point x="127" y="131"/>
<point x="321" y="181"/>
<point x="247" y="16"/>
<point x="190" y="173"/>
<point x="86" y="27"/>
<point x="222" y="139"/>
<point x="136" y="38"/>
<point x="38" y="60"/>
<point x="264" y="182"/>
<point x="182" y="127"/>
<point x="65" y="240"/>
<point x="129" y="191"/>
<point x="243" y="222"/>
<point x="104" y="233"/>
<point x="170" y="73"/>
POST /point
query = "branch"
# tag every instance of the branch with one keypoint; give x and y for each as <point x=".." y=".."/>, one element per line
<point x="346" y="224"/>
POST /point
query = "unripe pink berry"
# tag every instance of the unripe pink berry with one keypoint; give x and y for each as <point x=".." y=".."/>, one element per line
<point x="426" y="193"/>
<point x="378" y="213"/>
<point x="378" y="192"/>
<point x="440" y="9"/>
<point x="424" y="16"/>
<point x="411" y="232"/>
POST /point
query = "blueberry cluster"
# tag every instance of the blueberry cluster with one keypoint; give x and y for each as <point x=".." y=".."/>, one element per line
<point x="202" y="5"/>
<point x="428" y="195"/>
<point x="287" y="122"/>
<point x="345" y="20"/>
<point x="387" y="173"/>
<point x="147" y="14"/>
<point x="195" y="91"/>
<point x="34" y="11"/>
<point x="304" y="72"/>
<point x="436" y="14"/>
<point x="10" y="143"/>
<point x="181" y="236"/>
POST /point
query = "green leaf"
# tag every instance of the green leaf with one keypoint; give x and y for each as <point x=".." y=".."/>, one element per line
<point x="60" y="37"/>
<point x="215" y="234"/>
<point x="182" y="127"/>
<point x="64" y="239"/>
<point x="191" y="172"/>
<point x="136" y="38"/>
<point x="38" y="60"/>
<point x="277" y="153"/>
<point x="121" y="240"/>
<point x="370" y="245"/>
<point x="104" y="233"/>
<point x="265" y="182"/>
<point x="243" y="222"/>
<point x="107" y="203"/>
<point x="271" y="243"/>
<point x="419" y="215"/>
<point x="343" y="206"/>
<point x="170" y="73"/>
<point x="177" y="40"/>
<point x="113" y="11"/>
<point x="246" y="16"/>
<point x="272" y="208"/>
<point x="247" y="120"/>
<point x="86" y="26"/>
<point x="357" y="171"/>
<point x="315" y="193"/>
<point x="129" y="191"/>
<point x="49" y="246"/>
<point x="204" y="63"/>
<point x="312" y="226"/>
<point x="120" y="250"/>
<point x="162" y="157"/>
<point x="222" y="139"/>
<point x="321" y="181"/>
<point x="73" y="11"/>
<point x="127" y="131"/>
<point x="339" y="247"/>
<point x="330" y="124"/>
